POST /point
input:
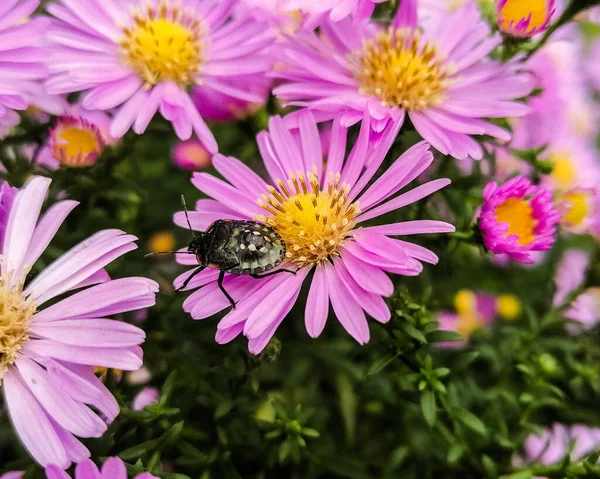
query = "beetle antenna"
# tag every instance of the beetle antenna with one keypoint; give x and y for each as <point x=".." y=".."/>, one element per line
<point x="158" y="253"/>
<point x="186" y="215"/>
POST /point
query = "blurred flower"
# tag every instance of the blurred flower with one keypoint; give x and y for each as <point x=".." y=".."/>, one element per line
<point x="161" y="241"/>
<point x="524" y="18"/>
<point x="388" y="73"/>
<point x="517" y="218"/>
<point x="46" y="353"/>
<point x="551" y="446"/>
<point x="570" y="274"/>
<point x="332" y="10"/>
<point x="191" y="155"/>
<point x="143" y="59"/>
<point x="475" y="310"/>
<point x="141" y="376"/>
<point x="13" y="475"/>
<point x="271" y="11"/>
<point x="113" y="468"/>
<point x="144" y="398"/>
<point x="592" y="64"/>
<point x="580" y="209"/>
<point x="21" y="54"/>
<point x="316" y="209"/>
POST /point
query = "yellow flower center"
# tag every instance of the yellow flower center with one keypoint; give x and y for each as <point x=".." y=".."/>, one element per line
<point x="400" y="70"/>
<point x="518" y="215"/>
<point x="563" y="173"/>
<point x="15" y="316"/>
<point x="76" y="142"/>
<point x="516" y="10"/>
<point x="164" y="44"/>
<point x="313" y="222"/>
<point x="575" y="208"/>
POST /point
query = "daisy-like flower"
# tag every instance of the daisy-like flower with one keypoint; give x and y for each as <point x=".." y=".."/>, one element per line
<point x="143" y="57"/>
<point x="332" y="10"/>
<point x="517" y="218"/>
<point x="440" y="77"/>
<point x="21" y="58"/>
<point x="47" y="351"/>
<point x="318" y="211"/>
<point x="524" y="18"/>
<point x="113" y="468"/>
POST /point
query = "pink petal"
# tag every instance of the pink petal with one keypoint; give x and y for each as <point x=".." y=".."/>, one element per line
<point x="114" y="468"/>
<point x="317" y="304"/>
<point x="369" y="277"/>
<point x="90" y="332"/>
<point x="32" y="424"/>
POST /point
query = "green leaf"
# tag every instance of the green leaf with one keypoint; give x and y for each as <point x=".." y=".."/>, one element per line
<point x="223" y="408"/>
<point x="490" y="467"/>
<point x="441" y="336"/>
<point x="413" y="333"/>
<point x="380" y="364"/>
<point x="139" y="450"/>
<point x="428" y="407"/>
<point x="455" y="452"/>
<point x="471" y="421"/>
<point x="521" y="475"/>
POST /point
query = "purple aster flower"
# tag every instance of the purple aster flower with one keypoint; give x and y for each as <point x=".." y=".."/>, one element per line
<point x="145" y="397"/>
<point x="21" y="58"/>
<point x="47" y="351"/>
<point x="113" y="468"/>
<point x="318" y="209"/>
<point x="440" y="77"/>
<point x="331" y="10"/>
<point x="143" y="57"/>
<point x="524" y="19"/>
<point x="517" y="218"/>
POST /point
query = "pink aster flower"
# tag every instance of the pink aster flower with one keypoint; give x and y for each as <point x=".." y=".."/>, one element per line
<point x="524" y="19"/>
<point x="142" y="57"/>
<point x="13" y="475"/>
<point x="191" y="155"/>
<point x="113" y="468"/>
<point x="440" y="77"/>
<point x="21" y="57"/>
<point x="318" y="209"/>
<point x="145" y="397"/>
<point x="570" y="274"/>
<point x="592" y="65"/>
<point x="333" y="10"/>
<point x="47" y="350"/>
<point x="552" y="445"/>
<point x="517" y="218"/>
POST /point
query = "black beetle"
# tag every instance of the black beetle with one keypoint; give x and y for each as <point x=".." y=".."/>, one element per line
<point x="237" y="247"/>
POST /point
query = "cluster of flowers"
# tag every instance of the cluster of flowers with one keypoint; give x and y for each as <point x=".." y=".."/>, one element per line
<point x="433" y="65"/>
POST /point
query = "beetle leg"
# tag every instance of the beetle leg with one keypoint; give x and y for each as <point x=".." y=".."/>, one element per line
<point x="189" y="278"/>
<point x="271" y="273"/>
<point x="222" y="288"/>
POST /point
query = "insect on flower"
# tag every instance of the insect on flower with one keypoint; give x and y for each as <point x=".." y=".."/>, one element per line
<point x="236" y="247"/>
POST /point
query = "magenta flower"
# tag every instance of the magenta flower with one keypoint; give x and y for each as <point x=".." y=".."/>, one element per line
<point x="191" y="155"/>
<point x="318" y="210"/>
<point x="524" y="19"/>
<point x="46" y="353"/>
<point x="517" y="218"/>
<point x="552" y="445"/>
<point x="440" y="77"/>
<point x="331" y="10"/>
<point x="21" y="58"/>
<point x="142" y="57"/>
<point x="113" y="468"/>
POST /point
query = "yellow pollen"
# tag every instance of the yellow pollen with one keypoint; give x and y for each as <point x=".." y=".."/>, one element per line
<point x="563" y="173"/>
<point x="518" y="215"/>
<point x="515" y="11"/>
<point x="15" y="316"/>
<point x="401" y="70"/>
<point x="575" y="208"/>
<point x="313" y="222"/>
<point x="164" y="44"/>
